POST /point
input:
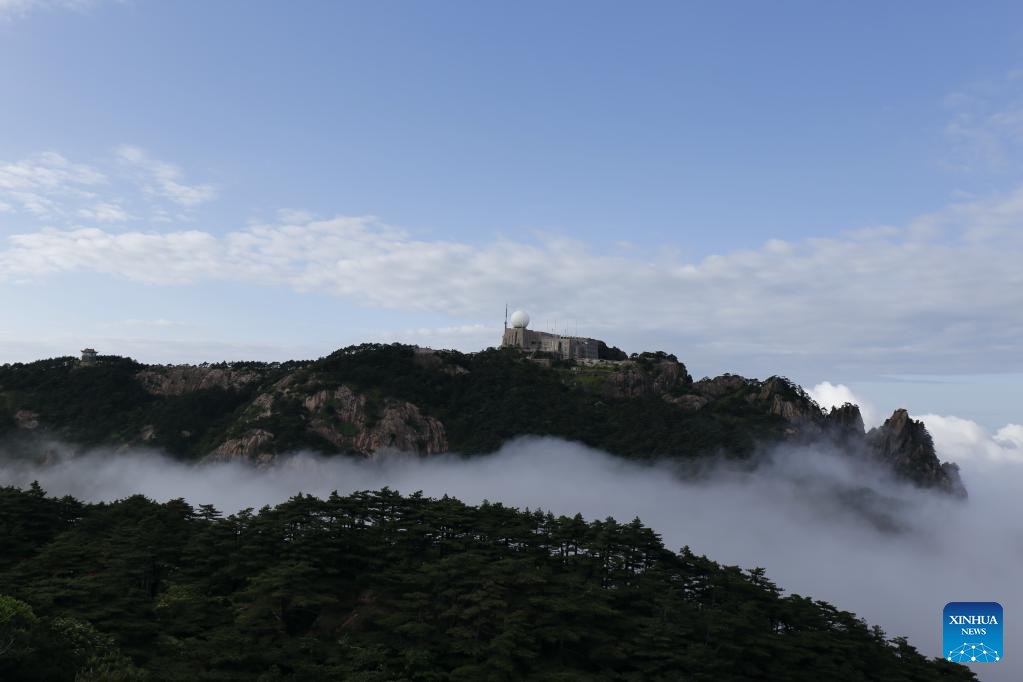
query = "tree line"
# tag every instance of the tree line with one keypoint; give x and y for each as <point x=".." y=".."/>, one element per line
<point x="379" y="586"/>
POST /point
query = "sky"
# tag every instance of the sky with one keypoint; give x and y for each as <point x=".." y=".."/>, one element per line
<point x="830" y="192"/>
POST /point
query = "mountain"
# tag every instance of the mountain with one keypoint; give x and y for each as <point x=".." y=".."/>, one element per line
<point x="380" y="587"/>
<point x="365" y="398"/>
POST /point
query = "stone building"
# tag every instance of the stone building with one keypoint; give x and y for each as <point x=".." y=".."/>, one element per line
<point x="518" y="335"/>
<point x="88" y="357"/>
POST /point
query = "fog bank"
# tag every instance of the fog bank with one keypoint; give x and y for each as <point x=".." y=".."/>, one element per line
<point x="821" y="524"/>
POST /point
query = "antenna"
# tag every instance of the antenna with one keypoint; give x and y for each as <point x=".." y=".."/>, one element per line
<point x="506" y="315"/>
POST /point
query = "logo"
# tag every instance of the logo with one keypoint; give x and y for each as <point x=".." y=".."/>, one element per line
<point x="973" y="632"/>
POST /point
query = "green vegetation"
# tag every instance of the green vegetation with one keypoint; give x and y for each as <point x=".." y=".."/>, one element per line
<point x="380" y="587"/>
<point x="106" y="404"/>
<point x="80" y="401"/>
<point x="482" y="400"/>
<point x="487" y="398"/>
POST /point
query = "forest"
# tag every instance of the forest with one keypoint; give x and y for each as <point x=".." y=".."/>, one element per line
<point x="377" y="586"/>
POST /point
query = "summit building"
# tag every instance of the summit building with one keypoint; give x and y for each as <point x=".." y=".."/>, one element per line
<point x="520" y="336"/>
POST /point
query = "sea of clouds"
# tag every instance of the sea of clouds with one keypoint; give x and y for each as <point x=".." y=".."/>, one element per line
<point x="822" y="523"/>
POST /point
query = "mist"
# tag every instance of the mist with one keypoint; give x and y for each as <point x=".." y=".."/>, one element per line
<point x="822" y="524"/>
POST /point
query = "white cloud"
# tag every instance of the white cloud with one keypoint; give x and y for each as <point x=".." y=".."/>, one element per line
<point x="986" y="128"/>
<point x="105" y="212"/>
<point x="828" y="395"/>
<point x="964" y="440"/>
<point x="291" y="216"/>
<point x="145" y="257"/>
<point x="51" y="190"/>
<point x="1010" y="436"/>
<point x="943" y="294"/>
<point x="164" y="180"/>
<point x="43" y="184"/>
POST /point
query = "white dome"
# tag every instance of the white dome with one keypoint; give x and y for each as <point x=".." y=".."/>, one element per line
<point x="520" y="319"/>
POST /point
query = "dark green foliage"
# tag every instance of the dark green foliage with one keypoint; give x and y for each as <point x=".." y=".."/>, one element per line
<point x="80" y="399"/>
<point x="604" y="352"/>
<point x="499" y="395"/>
<point x="482" y="399"/>
<point x="381" y="587"/>
<point x="657" y="356"/>
<point x="191" y="423"/>
<point x="105" y="404"/>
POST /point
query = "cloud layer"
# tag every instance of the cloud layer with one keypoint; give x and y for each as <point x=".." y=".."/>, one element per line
<point x="942" y="294"/>
<point x="819" y="523"/>
<point x="133" y="187"/>
<point x="48" y="185"/>
<point x="163" y="180"/>
<point x="964" y="440"/>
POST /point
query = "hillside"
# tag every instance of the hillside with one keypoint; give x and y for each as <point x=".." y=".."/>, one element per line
<point x="365" y="398"/>
<point x="377" y="587"/>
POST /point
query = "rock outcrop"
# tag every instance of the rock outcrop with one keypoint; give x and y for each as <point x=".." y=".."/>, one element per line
<point x="253" y="446"/>
<point x="720" y="386"/>
<point x="846" y="419"/>
<point x="905" y="445"/>
<point x="638" y="378"/>
<point x="845" y="425"/>
<point x="181" y="379"/>
<point x="344" y="418"/>
<point x="689" y="402"/>
<point x="349" y="421"/>
<point x="26" y="419"/>
<point x="784" y="399"/>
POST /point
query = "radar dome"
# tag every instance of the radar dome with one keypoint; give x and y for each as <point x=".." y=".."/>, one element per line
<point x="520" y="319"/>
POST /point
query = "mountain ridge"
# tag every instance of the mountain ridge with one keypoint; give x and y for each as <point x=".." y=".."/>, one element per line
<point x="363" y="399"/>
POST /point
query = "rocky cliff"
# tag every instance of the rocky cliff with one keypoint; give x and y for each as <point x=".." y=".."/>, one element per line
<point x="343" y="418"/>
<point x="905" y="445"/>
<point x="181" y="379"/>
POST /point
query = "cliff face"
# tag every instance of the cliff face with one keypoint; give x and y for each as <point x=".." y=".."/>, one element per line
<point x="348" y="421"/>
<point x="846" y="422"/>
<point x="252" y="446"/>
<point x="786" y="400"/>
<point x="901" y="444"/>
<point x="181" y="379"/>
<point x="905" y="445"/>
<point x="343" y="418"/>
<point x="632" y="379"/>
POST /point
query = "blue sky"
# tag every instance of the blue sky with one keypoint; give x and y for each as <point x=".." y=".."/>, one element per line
<point x="709" y="126"/>
<point x="822" y="190"/>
